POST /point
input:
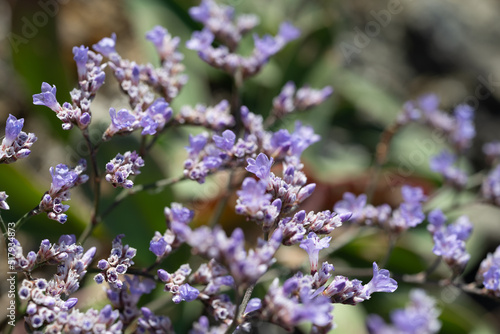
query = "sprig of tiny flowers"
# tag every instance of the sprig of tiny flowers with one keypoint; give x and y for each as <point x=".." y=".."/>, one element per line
<point x="16" y="144"/>
<point x="63" y="179"/>
<point x="116" y="264"/>
<point x="47" y="299"/>
<point x="121" y="167"/>
<point x="408" y="215"/>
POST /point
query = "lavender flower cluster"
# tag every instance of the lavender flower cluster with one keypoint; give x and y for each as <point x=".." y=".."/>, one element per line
<point x="270" y="193"/>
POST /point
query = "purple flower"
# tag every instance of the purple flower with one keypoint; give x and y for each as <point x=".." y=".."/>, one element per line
<point x="200" y="40"/>
<point x="158" y="247"/>
<point x="491" y="279"/>
<point x="312" y="245"/>
<point x="179" y="214"/>
<point x="80" y="57"/>
<point x="226" y="141"/>
<point x="449" y="240"/>
<point x="281" y="140"/>
<point x="426" y="108"/>
<point x="62" y="177"/>
<point x="156" y="36"/>
<point x="413" y="194"/>
<point x="464" y="130"/>
<point x="253" y="195"/>
<point x="409" y="214"/>
<point x="351" y="204"/>
<point x="442" y="161"/>
<point x="307" y="97"/>
<point x="155" y="117"/>
<point x="178" y="218"/>
<point x="261" y="166"/>
<point x="428" y="103"/>
<point x="201" y="13"/>
<point x="323" y="274"/>
<point x="166" y="46"/>
<point x="186" y="293"/>
<point x="13" y="128"/>
<point x="381" y="282"/>
<point x="490" y="265"/>
<point x="266" y="46"/>
<point x="452" y="249"/>
<point x="119" y="260"/>
<point x="123" y="119"/>
<point x="302" y="138"/>
<point x="16" y="144"/>
<point x="196" y="144"/>
<point x="316" y="309"/>
<point x="436" y="219"/>
<point x="47" y="97"/>
<point x="106" y="46"/>
<point x="288" y="32"/>
<point x="443" y="164"/>
<point x="121" y="167"/>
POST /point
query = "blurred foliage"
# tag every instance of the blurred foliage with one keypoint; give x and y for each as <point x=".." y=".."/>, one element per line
<point x="445" y="47"/>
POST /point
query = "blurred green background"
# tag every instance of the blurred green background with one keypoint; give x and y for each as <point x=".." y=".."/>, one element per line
<point x="376" y="55"/>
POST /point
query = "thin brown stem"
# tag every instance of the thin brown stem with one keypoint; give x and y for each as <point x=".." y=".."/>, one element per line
<point x="270" y="120"/>
<point x="381" y="155"/>
<point x="221" y="205"/>
<point x="94" y="221"/>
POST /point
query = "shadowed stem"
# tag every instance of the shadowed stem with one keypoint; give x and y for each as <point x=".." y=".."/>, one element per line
<point x="33" y="212"/>
<point x="236" y="101"/>
<point x="241" y="309"/>
<point x="381" y="155"/>
<point x="237" y="312"/>
<point x="96" y="185"/>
